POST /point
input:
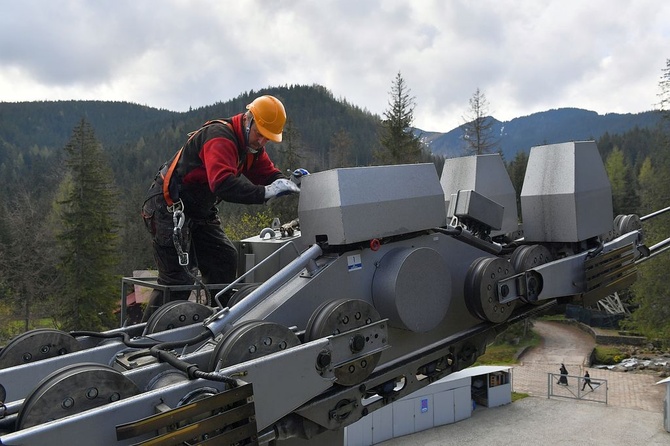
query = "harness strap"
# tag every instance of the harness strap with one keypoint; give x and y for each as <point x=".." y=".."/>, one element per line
<point x="168" y="176"/>
<point x="173" y="165"/>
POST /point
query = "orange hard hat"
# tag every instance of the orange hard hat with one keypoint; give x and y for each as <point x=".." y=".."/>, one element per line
<point x="270" y="116"/>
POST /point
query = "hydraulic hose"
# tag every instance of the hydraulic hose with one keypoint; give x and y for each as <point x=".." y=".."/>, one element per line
<point x="161" y="351"/>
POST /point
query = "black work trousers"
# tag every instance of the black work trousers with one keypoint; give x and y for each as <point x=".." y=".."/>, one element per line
<point x="208" y="247"/>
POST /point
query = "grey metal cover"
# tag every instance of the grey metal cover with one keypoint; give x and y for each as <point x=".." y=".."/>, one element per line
<point x="485" y="174"/>
<point x="566" y="195"/>
<point x="477" y="207"/>
<point x="351" y="205"/>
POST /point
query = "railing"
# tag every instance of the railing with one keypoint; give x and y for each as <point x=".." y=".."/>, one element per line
<point x="151" y="282"/>
<point x="577" y="387"/>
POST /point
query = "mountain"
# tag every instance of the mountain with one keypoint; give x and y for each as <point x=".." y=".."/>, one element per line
<point x="548" y="127"/>
<point x="39" y="129"/>
<point x="50" y="123"/>
<point x="139" y="138"/>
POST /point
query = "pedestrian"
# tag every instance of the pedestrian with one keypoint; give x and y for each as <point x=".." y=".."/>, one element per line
<point x="224" y="160"/>
<point x="563" y="380"/>
<point x="587" y="381"/>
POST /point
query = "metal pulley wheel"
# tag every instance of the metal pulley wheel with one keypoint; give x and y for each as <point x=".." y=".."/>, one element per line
<point x="340" y="316"/>
<point x="530" y="256"/>
<point x="627" y="223"/>
<point x="526" y="258"/>
<point x="175" y="314"/>
<point x="241" y="293"/>
<point x="250" y="340"/>
<point x="481" y="289"/>
<point x="71" y="390"/>
<point x="35" y="345"/>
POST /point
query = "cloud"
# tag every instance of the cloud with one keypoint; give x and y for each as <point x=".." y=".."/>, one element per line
<point x="526" y="56"/>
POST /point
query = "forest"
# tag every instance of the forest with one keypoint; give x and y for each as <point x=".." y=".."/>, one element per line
<point x="75" y="174"/>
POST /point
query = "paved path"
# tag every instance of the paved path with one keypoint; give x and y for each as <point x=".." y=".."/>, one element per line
<point x="633" y="413"/>
<point x="561" y="343"/>
<point x="567" y="344"/>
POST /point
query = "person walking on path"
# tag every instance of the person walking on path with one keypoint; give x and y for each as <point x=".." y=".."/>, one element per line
<point x="563" y="380"/>
<point x="587" y="381"/>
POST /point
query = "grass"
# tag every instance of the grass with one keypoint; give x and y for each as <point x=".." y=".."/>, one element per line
<point x="553" y="317"/>
<point x="498" y="355"/>
<point x="516" y="396"/>
<point x="505" y="353"/>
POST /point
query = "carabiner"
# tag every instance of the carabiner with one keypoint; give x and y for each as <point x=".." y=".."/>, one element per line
<point x="178" y="219"/>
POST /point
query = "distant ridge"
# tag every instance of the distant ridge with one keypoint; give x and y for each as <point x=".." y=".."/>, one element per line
<point x="315" y="113"/>
<point x="548" y="127"/>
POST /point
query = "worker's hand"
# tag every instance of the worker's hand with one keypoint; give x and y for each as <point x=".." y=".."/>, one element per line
<point x="280" y="187"/>
<point x="296" y="175"/>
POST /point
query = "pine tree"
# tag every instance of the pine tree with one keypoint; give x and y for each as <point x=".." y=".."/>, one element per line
<point x="289" y="151"/>
<point x="652" y="317"/>
<point x="517" y="172"/>
<point x="291" y="157"/>
<point x="340" y="152"/>
<point x="478" y="126"/>
<point x="664" y="85"/>
<point x="399" y="143"/>
<point x="624" y="199"/>
<point x="27" y="256"/>
<point x="88" y="236"/>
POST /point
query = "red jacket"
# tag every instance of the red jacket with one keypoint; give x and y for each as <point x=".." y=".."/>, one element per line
<point x="215" y="165"/>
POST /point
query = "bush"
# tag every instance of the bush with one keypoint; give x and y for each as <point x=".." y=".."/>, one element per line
<point x="247" y="225"/>
<point x="608" y="355"/>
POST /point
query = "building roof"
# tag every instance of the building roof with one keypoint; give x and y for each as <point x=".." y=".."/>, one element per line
<point x="476" y="371"/>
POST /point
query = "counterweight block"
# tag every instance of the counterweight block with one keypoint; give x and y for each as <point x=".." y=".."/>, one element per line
<point x="412" y="288"/>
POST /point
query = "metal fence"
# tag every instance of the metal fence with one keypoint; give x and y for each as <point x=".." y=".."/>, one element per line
<point x="577" y="387"/>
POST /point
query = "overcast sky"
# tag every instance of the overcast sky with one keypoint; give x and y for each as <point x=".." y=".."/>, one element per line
<point x="525" y="56"/>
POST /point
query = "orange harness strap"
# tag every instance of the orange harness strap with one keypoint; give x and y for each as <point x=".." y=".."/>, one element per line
<point x="168" y="176"/>
<point x="173" y="165"/>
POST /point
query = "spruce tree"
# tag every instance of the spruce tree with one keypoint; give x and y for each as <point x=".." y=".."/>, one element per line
<point x="399" y="143"/>
<point x="478" y="126"/>
<point x="651" y="296"/>
<point x="29" y="277"/>
<point x="88" y="236"/>
<point x="517" y="172"/>
<point x="652" y="317"/>
<point x="341" y="148"/>
<point x="624" y="198"/>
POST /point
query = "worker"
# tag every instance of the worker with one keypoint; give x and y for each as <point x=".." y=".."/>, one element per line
<point x="224" y="160"/>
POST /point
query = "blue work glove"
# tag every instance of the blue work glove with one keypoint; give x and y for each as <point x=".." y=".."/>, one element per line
<point x="280" y="187"/>
<point x="296" y="175"/>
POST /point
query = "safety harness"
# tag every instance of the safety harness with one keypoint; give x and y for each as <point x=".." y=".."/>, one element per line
<point x="176" y="205"/>
<point x="168" y="175"/>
